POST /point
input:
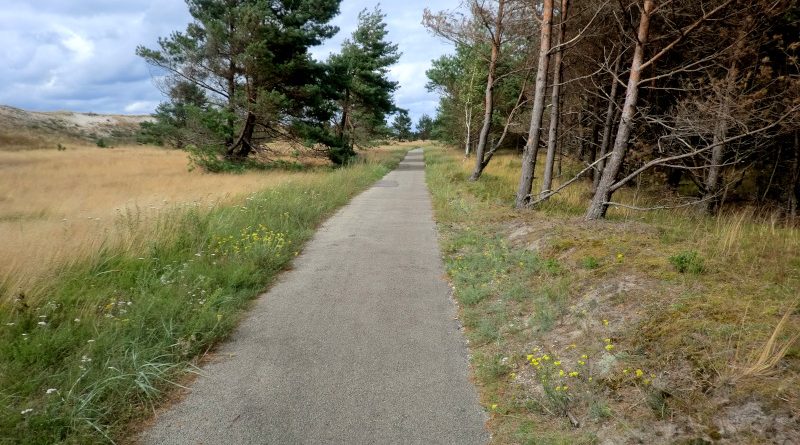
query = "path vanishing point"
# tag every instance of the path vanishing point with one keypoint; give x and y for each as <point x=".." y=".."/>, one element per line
<point x="357" y="344"/>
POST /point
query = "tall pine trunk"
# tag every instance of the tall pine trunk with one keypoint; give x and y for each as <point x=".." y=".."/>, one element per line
<point x="608" y="125"/>
<point x="552" y="137"/>
<point x="488" y="109"/>
<point x="230" y="79"/>
<point x="532" y="146"/>
<point x="599" y="205"/>
<point x="243" y="146"/>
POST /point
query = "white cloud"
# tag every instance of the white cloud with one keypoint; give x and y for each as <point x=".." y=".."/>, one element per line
<point x="82" y="47"/>
<point x="81" y="55"/>
<point x="140" y="107"/>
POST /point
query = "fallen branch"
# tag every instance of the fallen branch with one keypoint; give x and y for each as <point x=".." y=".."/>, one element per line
<point x="548" y="194"/>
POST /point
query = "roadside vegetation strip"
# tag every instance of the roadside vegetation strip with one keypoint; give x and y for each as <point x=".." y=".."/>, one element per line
<point x="85" y="354"/>
<point x="632" y="329"/>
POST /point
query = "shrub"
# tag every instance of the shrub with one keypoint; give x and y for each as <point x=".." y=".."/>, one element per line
<point x="208" y="159"/>
<point x="688" y="261"/>
<point x="590" y="263"/>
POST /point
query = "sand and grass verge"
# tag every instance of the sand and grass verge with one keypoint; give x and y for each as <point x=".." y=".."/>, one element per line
<point x="660" y="327"/>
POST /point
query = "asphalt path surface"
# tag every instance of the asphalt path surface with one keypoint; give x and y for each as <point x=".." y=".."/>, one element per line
<point x="357" y="344"/>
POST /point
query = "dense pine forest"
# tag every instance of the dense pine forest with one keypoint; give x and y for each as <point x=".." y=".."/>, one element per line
<point x="699" y="98"/>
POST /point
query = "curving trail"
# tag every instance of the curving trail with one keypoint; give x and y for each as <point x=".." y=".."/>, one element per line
<point x="356" y="345"/>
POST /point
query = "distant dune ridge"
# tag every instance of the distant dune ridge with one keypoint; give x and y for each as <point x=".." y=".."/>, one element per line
<point x="21" y="129"/>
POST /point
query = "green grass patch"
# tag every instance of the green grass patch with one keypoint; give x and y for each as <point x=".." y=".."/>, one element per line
<point x="83" y="355"/>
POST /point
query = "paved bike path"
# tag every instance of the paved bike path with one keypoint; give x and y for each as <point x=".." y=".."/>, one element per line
<point x="357" y="344"/>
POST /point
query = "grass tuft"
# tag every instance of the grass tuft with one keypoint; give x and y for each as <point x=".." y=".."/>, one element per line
<point x="688" y="261"/>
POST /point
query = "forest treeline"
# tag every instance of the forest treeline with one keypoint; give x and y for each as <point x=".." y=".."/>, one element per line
<point x="242" y="76"/>
<point x="699" y="98"/>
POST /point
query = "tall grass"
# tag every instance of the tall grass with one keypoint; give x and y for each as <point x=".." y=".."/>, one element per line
<point x="88" y="351"/>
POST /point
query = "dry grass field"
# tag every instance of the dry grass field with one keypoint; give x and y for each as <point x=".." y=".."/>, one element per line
<point x="58" y="206"/>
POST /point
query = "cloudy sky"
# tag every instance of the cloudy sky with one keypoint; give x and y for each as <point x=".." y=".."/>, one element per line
<point x="79" y="55"/>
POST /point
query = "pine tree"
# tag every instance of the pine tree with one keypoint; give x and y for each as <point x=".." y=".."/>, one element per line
<point x="424" y="127"/>
<point x="251" y="58"/>
<point x="361" y="73"/>
<point x="171" y="118"/>
<point x="401" y="126"/>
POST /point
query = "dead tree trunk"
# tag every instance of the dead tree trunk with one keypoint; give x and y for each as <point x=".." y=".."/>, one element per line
<point x="712" y="180"/>
<point x="592" y="155"/>
<point x="488" y="110"/>
<point x="532" y="146"/>
<point x="552" y="136"/>
<point x="712" y="202"/>
<point x="608" y="125"/>
<point x="794" y="188"/>
<point x="580" y="129"/>
<point x="468" y="116"/>
<point x="599" y="205"/>
<point x="345" y="117"/>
